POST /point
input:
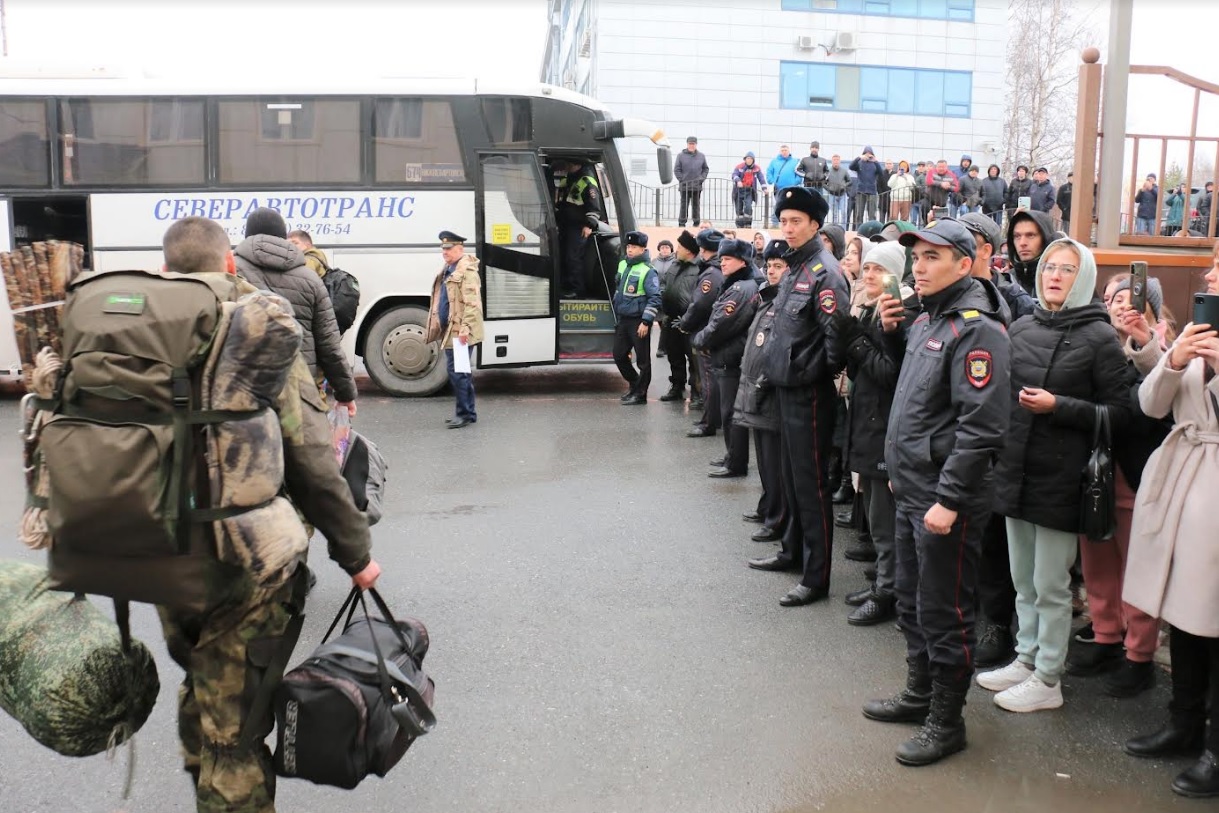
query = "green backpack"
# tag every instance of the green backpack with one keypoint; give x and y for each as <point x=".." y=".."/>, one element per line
<point x="123" y="446"/>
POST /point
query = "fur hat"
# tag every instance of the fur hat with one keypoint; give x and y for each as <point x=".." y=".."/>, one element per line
<point x="637" y="238"/>
<point x="741" y="249"/>
<point x="709" y="239"/>
<point x="775" y="250"/>
<point x="687" y="241"/>
<point x="802" y="200"/>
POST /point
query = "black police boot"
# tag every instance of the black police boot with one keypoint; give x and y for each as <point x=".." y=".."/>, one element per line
<point x="675" y="393"/>
<point x="995" y="646"/>
<point x="1184" y="735"/>
<point x="1201" y="780"/>
<point x="943" y="734"/>
<point x="863" y="550"/>
<point x="909" y="705"/>
<point x="879" y="608"/>
<point x="845" y="492"/>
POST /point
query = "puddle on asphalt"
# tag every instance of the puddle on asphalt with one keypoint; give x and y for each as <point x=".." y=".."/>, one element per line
<point x="1023" y="795"/>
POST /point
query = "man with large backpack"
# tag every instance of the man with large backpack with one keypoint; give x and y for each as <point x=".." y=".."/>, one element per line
<point x="344" y="289"/>
<point x="184" y="401"/>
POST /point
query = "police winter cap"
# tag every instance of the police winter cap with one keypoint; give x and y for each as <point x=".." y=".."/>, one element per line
<point x="451" y="237"/>
<point x="687" y="241"/>
<point x="944" y="233"/>
<point x="775" y="250"/>
<point x="709" y="239"/>
<point x="983" y="225"/>
<point x="802" y="200"/>
<point x="266" y="221"/>
<point x="691" y="140"/>
<point x="741" y="249"/>
<point x="637" y="238"/>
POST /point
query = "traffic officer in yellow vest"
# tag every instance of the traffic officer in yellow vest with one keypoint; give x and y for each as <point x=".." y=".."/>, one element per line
<point x="636" y="303"/>
<point x="577" y="197"/>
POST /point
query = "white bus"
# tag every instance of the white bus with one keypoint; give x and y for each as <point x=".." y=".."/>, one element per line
<point x="372" y="171"/>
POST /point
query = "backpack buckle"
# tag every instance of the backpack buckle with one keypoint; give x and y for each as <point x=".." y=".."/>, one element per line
<point x="181" y="392"/>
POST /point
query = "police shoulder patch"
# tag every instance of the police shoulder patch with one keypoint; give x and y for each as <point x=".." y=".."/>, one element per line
<point x="706" y="286"/>
<point x="978" y="367"/>
<point x="827" y="302"/>
<point x="729" y="308"/>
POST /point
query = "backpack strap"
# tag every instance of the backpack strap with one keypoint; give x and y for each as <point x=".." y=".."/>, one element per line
<point x="178" y="502"/>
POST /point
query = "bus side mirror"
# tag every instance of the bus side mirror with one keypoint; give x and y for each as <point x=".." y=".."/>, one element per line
<point x="664" y="165"/>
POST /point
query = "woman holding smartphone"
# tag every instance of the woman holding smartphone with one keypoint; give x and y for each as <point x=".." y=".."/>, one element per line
<point x="1173" y="571"/>
<point x="1066" y="360"/>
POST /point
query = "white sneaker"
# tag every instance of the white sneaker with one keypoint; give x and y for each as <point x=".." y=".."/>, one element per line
<point x="1011" y="675"/>
<point x="1031" y="695"/>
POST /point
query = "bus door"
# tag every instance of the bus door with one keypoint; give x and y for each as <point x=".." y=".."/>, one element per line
<point x="515" y="225"/>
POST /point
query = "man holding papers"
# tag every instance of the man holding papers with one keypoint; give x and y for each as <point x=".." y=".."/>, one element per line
<point x="456" y="320"/>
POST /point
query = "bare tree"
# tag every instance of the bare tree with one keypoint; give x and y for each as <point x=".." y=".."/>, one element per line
<point x="1043" y="77"/>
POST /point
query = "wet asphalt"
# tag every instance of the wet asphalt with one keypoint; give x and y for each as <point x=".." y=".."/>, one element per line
<point x="600" y="647"/>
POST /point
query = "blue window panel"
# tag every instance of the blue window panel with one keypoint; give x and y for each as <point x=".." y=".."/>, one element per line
<point x="958" y="87"/>
<point x="793" y="78"/>
<point x="901" y="91"/>
<point x="822" y="87"/>
<point x="874" y="89"/>
<point x="929" y="93"/>
<point x="962" y="10"/>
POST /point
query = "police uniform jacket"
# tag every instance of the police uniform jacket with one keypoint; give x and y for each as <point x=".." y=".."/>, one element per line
<point x="1075" y="354"/>
<point x="637" y="289"/>
<point x="803" y="349"/>
<point x="733" y="311"/>
<point x="874" y="360"/>
<point x="706" y="291"/>
<point x="579" y="197"/>
<point x="952" y="407"/>
<point x="677" y="288"/>
<point x="756" y="405"/>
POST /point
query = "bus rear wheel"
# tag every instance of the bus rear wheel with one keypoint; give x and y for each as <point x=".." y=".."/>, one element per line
<point x="398" y="360"/>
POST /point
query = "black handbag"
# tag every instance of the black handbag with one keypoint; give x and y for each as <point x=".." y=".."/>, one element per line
<point x="1098" y="500"/>
<point x="357" y="703"/>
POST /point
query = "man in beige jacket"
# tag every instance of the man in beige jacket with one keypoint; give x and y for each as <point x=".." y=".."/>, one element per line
<point x="456" y="318"/>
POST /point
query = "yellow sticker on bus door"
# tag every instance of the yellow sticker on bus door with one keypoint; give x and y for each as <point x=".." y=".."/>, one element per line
<point x="501" y="233"/>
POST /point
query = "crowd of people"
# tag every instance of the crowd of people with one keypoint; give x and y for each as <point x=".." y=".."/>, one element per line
<point x="950" y="384"/>
<point x="863" y="187"/>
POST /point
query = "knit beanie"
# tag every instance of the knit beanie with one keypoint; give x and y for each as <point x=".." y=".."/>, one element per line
<point x="266" y="221"/>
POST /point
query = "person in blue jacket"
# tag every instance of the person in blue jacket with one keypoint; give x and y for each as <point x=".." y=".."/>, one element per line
<point x="636" y="303"/>
<point x="780" y="174"/>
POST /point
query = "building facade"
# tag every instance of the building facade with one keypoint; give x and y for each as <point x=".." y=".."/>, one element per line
<point x="913" y="79"/>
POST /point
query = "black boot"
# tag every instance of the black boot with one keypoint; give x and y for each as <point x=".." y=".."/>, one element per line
<point x="1182" y="736"/>
<point x="944" y="732"/>
<point x="1201" y="780"/>
<point x="859" y="597"/>
<point x="909" y="705"/>
<point x="879" y="608"/>
<point x="864" y="550"/>
<point x="675" y="393"/>
<point x="845" y="492"/>
<point x="995" y="646"/>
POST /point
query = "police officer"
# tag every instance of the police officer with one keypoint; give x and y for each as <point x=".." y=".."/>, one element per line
<point x="949" y="418"/>
<point x="802" y="358"/>
<point x="676" y="292"/>
<point x="636" y="303"/>
<point x="723" y="339"/>
<point x="578" y="198"/>
<point x="706" y="291"/>
<point x="756" y="406"/>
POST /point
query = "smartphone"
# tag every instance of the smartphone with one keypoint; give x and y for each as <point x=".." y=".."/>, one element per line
<point x="1206" y="310"/>
<point x="1138" y="286"/>
<point x="893" y="287"/>
<point x="1024" y="202"/>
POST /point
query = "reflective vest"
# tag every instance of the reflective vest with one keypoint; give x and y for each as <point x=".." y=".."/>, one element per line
<point x="630" y="280"/>
<point x="575" y="191"/>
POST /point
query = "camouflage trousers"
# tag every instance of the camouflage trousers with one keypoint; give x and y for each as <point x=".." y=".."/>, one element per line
<point x="226" y="653"/>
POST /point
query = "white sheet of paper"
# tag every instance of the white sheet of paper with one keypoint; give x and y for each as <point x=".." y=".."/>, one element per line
<point x="461" y="357"/>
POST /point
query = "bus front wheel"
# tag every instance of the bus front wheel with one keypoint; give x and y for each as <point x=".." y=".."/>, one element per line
<point x="398" y="360"/>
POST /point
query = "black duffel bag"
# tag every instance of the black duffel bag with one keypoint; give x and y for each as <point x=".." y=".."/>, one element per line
<point x="357" y="703"/>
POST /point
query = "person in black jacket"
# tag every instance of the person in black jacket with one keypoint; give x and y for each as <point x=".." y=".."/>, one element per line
<point x="873" y="363"/>
<point x="1020" y="187"/>
<point x="1124" y="638"/>
<point x="801" y="358"/>
<point x="756" y="406"/>
<point x="676" y="291"/>
<point x="1063" y="200"/>
<point x="723" y="339"/>
<point x="986" y="237"/>
<point x="1066" y="361"/>
<point x="994" y="195"/>
<point x="1028" y="234"/>
<point x="636" y="304"/>
<point x="948" y="421"/>
<point x="706" y="290"/>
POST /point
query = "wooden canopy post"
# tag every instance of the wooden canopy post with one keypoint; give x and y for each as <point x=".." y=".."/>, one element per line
<point x="1087" y="127"/>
